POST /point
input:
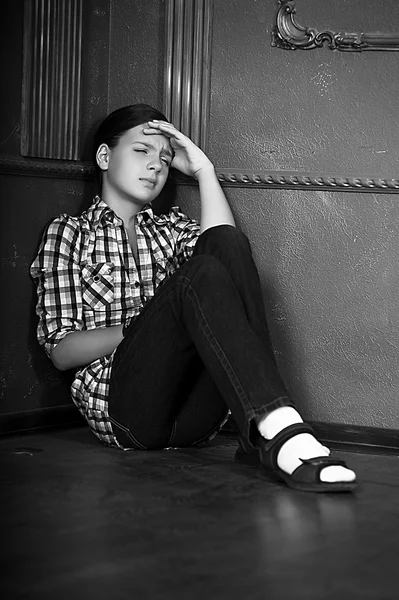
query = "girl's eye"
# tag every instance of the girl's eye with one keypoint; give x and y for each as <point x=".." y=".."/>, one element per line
<point x="140" y="150"/>
<point x="166" y="162"/>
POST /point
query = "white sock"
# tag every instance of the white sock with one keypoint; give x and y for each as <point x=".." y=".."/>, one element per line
<point x="303" y="445"/>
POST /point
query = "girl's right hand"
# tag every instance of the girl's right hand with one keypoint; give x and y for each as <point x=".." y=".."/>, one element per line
<point x="188" y="158"/>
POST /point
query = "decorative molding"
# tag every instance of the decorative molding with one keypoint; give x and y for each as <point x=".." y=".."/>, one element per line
<point x="242" y="178"/>
<point x="51" y="84"/>
<point x="60" y="169"/>
<point x="309" y="181"/>
<point x="289" y="35"/>
<point x="188" y="37"/>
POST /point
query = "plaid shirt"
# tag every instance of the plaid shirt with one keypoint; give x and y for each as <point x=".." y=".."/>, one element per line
<point x="87" y="277"/>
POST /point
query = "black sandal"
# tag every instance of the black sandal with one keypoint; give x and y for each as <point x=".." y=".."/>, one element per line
<point x="306" y="477"/>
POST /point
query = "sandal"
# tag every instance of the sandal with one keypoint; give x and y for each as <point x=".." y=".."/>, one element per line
<point x="306" y="477"/>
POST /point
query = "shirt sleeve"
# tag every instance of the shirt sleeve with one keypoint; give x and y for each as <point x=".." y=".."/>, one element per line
<point x="56" y="272"/>
<point x="185" y="232"/>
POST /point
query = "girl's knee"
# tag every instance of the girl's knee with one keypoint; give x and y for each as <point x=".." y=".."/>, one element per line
<point x="207" y="266"/>
<point x="226" y="235"/>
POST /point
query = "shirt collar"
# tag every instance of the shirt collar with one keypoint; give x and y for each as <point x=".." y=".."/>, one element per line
<point x="99" y="211"/>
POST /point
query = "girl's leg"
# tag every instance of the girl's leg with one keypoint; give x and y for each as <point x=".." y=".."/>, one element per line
<point x="161" y="394"/>
<point x="198" y="312"/>
<point x="212" y="306"/>
<point x="232" y="248"/>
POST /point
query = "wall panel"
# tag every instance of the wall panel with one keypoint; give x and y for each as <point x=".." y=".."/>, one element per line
<point x="306" y="145"/>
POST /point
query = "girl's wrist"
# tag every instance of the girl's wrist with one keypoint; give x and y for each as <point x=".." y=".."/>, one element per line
<point x="205" y="171"/>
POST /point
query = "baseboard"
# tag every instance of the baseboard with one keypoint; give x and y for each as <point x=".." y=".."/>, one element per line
<point x="358" y="438"/>
<point x="40" y="418"/>
<point x="354" y="438"/>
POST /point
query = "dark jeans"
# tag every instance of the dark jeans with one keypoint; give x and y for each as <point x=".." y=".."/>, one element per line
<point x="200" y="346"/>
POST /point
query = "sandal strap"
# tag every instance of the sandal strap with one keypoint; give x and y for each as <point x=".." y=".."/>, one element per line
<point x="269" y="449"/>
<point x="309" y="470"/>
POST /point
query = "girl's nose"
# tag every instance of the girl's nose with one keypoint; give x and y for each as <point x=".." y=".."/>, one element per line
<point x="155" y="165"/>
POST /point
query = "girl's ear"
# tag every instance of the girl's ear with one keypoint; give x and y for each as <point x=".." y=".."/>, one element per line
<point x="102" y="157"/>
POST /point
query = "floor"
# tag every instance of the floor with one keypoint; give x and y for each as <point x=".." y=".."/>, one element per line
<point x="80" y="521"/>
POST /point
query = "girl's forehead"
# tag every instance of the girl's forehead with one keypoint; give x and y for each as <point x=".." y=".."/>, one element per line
<point x="135" y="134"/>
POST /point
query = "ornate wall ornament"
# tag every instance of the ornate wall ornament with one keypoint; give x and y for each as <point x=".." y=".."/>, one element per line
<point x="289" y="35"/>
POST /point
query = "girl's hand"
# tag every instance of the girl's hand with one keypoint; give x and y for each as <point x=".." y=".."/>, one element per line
<point x="188" y="158"/>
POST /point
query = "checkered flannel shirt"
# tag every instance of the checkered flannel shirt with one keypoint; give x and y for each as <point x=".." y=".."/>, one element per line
<point x="87" y="277"/>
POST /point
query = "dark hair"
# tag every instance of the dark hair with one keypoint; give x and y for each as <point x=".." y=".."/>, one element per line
<point x="117" y="123"/>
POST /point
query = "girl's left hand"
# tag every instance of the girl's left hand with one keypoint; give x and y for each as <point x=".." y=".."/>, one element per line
<point x="188" y="158"/>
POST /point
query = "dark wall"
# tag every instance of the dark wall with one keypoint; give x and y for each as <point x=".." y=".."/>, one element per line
<point x="328" y="260"/>
<point x="123" y="35"/>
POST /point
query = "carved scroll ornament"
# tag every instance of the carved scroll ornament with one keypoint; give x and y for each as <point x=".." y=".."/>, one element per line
<point x="289" y="35"/>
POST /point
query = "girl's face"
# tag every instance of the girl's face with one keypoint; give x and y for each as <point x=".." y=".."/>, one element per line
<point x="138" y="166"/>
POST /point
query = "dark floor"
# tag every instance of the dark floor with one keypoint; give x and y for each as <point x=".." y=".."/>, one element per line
<point x="80" y="521"/>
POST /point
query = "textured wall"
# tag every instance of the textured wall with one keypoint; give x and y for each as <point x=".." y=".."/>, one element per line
<point x="328" y="260"/>
<point x="136" y="53"/>
<point x="329" y="267"/>
<point x="304" y="110"/>
<point x="28" y="379"/>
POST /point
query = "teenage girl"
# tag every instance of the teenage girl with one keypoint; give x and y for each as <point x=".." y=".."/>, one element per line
<point x="162" y="317"/>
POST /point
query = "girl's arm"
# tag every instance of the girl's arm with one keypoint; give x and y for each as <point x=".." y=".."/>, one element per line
<point x="215" y="209"/>
<point x="80" y="348"/>
<point x="190" y="160"/>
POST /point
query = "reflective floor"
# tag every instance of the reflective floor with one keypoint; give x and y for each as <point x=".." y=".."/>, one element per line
<point x="81" y="521"/>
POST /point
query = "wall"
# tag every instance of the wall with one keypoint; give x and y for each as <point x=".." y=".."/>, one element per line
<point x="122" y="35"/>
<point x="327" y="259"/>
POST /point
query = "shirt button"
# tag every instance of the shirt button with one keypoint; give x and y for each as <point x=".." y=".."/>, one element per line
<point x="137" y="284"/>
<point x="96" y="278"/>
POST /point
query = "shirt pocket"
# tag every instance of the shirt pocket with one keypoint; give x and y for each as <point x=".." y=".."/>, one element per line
<point x="98" y="285"/>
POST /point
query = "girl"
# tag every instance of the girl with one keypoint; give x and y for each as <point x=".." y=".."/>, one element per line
<point x="163" y="318"/>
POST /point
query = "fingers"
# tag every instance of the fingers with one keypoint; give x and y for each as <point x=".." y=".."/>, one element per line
<point x="162" y="128"/>
<point x="156" y="122"/>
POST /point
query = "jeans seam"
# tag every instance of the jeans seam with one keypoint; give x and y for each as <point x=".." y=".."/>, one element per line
<point x="128" y="433"/>
<point x="269" y="407"/>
